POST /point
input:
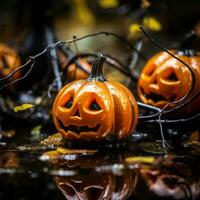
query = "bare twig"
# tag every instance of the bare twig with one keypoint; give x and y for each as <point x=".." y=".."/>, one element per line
<point x="32" y="59"/>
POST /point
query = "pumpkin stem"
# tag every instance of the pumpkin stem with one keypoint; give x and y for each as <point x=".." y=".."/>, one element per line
<point x="97" y="69"/>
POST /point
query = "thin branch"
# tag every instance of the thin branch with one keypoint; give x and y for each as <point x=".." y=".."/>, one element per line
<point x="184" y="121"/>
<point x="57" y="44"/>
<point x="110" y="60"/>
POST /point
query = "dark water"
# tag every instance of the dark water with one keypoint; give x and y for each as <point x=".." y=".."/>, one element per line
<point x="137" y="169"/>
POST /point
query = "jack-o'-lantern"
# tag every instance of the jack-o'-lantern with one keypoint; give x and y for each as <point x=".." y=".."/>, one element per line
<point x="9" y="61"/>
<point x="164" y="79"/>
<point x="95" y="109"/>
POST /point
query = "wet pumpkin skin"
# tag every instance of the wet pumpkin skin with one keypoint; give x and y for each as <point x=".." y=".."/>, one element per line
<point x="95" y="109"/>
<point x="9" y="61"/>
<point x="164" y="79"/>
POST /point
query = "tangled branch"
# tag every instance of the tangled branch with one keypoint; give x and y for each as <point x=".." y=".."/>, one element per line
<point x="7" y="80"/>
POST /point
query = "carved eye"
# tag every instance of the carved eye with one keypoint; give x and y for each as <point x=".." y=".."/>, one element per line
<point x="94" y="106"/>
<point x="69" y="103"/>
<point x="172" y="77"/>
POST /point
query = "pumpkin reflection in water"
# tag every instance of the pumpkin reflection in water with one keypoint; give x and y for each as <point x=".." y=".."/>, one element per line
<point x="164" y="79"/>
<point x="175" y="178"/>
<point x="94" y="109"/>
<point x="90" y="184"/>
<point x="97" y="186"/>
<point x="9" y="61"/>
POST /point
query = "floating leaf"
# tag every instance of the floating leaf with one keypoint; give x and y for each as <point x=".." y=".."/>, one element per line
<point x="75" y="151"/>
<point x="155" y="147"/>
<point x="51" y="156"/>
<point x="152" y="23"/>
<point x="108" y="3"/>
<point x="23" y="107"/>
<point x="140" y="159"/>
<point x="52" y="140"/>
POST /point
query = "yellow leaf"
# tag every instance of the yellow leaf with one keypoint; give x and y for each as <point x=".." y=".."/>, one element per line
<point x="36" y="130"/>
<point x="83" y="12"/>
<point x="152" y="23"/>
<point x="75" y="151"/>
<point x="108" y="3"/>
<point x="51" y="156"/>
<point x="134" y="28"/>
<point x="52" y="140"/>
<point x="23" y="107"/>
<point x="140" y="159"/>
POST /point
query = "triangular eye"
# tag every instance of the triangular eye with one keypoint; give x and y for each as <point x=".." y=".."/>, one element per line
<point x="172" y="77"/>
<point x="94" y="106"/>
<point x="69" y="103"/>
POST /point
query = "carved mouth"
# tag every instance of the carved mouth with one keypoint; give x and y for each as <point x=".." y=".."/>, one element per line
<point x="78" y="129"/>
<point x="156" y="97"/>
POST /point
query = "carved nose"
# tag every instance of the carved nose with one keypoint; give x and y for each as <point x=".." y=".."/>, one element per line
<point x="77" y="113"/>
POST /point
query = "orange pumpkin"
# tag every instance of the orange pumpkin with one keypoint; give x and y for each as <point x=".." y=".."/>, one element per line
<point x="95" y="109"/>
<point x="75" y="73"/>
<point x="164" y="79"/>
<point x="9" y="61"/>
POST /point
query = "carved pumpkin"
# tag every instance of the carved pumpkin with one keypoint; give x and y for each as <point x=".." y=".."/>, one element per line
<point x="9" y="61"/>
<point x="95" y="109"/>
<point x="164" y="79"/>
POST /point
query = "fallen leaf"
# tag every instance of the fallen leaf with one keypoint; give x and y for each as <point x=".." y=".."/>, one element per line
<point x="152" y="23"/>
<point x="83" y="12"/>
<point x="52" y="140"/>
<point x="140" y="159"/>
<point x="75" y="151"/>
<point x="108" y="3"/>
<point x="23" y="107"/>
<point x="52" y="156"/>
<point x="134" y="28"/>
<point x="36" y="130"/>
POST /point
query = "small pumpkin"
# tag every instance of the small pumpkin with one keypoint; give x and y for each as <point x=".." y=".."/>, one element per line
<point x="75" y="73"/>
<point x="164" y="79"/>
<point x="9" y="61"/>
<point x="95" y="109"/>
